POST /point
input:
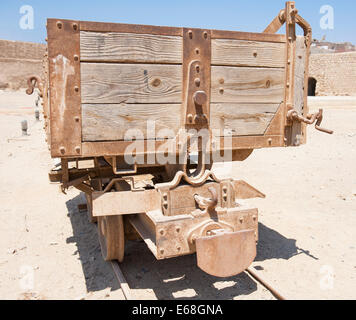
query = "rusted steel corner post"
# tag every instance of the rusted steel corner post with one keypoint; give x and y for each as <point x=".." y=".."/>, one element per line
<point x="64" y="83"/>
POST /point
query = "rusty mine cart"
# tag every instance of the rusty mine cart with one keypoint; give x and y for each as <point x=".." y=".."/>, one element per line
<point x="244" y="91"/>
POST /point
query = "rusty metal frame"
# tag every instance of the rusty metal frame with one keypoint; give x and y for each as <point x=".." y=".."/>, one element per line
<point x="64" y="82"/>
<point x="68" y="143"/>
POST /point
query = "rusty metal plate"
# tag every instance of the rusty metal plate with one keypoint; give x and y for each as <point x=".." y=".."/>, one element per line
<point x="196" y="76"/>
<point x="64" y="86"/>
<point x="227" y="254"/>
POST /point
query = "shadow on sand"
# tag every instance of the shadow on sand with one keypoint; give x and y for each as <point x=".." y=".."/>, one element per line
<point x="177" y="278"/>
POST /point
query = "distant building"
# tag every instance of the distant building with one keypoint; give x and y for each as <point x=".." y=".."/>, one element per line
<point x="330" y="47"/>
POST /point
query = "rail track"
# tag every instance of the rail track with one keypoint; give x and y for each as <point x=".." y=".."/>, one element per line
<point x="129" y="296"/>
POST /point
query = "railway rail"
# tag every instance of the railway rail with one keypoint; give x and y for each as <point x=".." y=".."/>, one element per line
<point x="126" y="290"/>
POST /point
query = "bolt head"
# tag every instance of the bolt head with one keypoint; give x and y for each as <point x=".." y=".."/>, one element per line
<point x="200" y="97"/>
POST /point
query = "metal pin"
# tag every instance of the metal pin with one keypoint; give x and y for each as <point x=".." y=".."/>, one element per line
<point x="24" y="127"/>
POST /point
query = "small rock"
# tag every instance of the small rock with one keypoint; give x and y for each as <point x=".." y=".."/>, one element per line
<point x="53" y="243"/>
<point x="12" y="251"/>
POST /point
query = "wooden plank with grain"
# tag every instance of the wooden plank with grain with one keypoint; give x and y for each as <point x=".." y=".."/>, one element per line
<point x="251" y="85"/>
<point x="130" y="47"/>
<point x="299" y="84"/>
<point x="115" y="122"/>
<point x="131" y="83"/>
<point x="241" y="119"/>
<point x="111" y="122"/>
<point x="230" y="52"/>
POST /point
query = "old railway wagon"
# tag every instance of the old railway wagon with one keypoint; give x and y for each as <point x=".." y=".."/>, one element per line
<point x="121" y="99"/>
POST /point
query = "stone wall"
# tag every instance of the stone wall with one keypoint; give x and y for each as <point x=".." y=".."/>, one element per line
<point x="335" y="73"/>
<point x="18" y="61"/>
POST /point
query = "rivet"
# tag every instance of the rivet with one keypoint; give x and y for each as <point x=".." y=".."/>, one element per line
<point x="197" y="82"/>
<point x="197" y="51"/>
<point x="288" y="61"/>
<point x="270" y="141"/>
<point x="76" y="57"/>
<point x="62" y="150"/>
<point x="197" y="69"/>
<point x="268" y="84"/>
<point x="76" y="119"/>
<point x="165" y="196"/>
<point x="76" y="89"/>
<point x="190" y="33"/>
<point x="255" y="54"/>
<point x="254" y="218"/>
<point x="225" y="189"/>
<point x="161" y="251"/>
<point x="75" y="26"/>
<point x="178" y="229"/>
<point x="205" y="34"/>
<point x="77" y="149"/>
<point x="221" y="91"/>
<point x="59" y="25"/>
<point x="288" y="84"/>
<point x="161" y="232"/>
<point x="46" y="39"/>
<point x="241" y="220"/>
<point x="190" y="118"/>
<point x="179" y="248"/>
<point x="196" y="117"/>
<point x="221" y="81"/>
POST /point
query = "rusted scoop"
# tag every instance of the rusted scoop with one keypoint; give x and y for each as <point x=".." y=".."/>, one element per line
<point x="226" y="254"/>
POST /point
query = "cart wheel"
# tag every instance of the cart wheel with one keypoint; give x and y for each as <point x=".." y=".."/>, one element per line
<point x="90" y="209"/>
<point x="112" y="237"/>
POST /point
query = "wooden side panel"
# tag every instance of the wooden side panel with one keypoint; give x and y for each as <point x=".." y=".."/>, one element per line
<point x="131" y="83"/>
<point x="130" y="47"/>
<point x="229" y="52"/>
<point x="103" y="122"/>
<point x="251" y="85"/>
<point x="143" y="83"/>
<point x="241" y="119"/>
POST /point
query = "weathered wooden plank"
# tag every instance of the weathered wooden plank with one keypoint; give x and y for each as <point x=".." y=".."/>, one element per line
<point x="250" y="36"/>
<point x="241" y="119"/>
<point x="131" y="83"/>
<point x="130" y="47"/>
<point x="299" y="74"/>
<point x="299" y="88"/>
<point x="231" y="52"/>
<point x="251" y="85"/>
<point x="129" y="28"/>
<point x="111" y="122"/>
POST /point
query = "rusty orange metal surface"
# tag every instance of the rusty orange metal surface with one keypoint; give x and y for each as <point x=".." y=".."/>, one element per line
<point x="226" y="254"/>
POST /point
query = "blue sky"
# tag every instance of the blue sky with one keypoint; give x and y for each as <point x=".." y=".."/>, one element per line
<point x="240" y="15"/>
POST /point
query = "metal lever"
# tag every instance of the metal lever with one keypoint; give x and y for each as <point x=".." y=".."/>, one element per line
<point x="310" y="119"/>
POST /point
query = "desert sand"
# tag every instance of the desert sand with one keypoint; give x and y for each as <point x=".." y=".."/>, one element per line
<point x="307" y="247"/>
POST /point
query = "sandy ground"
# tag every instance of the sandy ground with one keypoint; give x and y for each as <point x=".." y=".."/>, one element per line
<point x="307" y="245"/>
